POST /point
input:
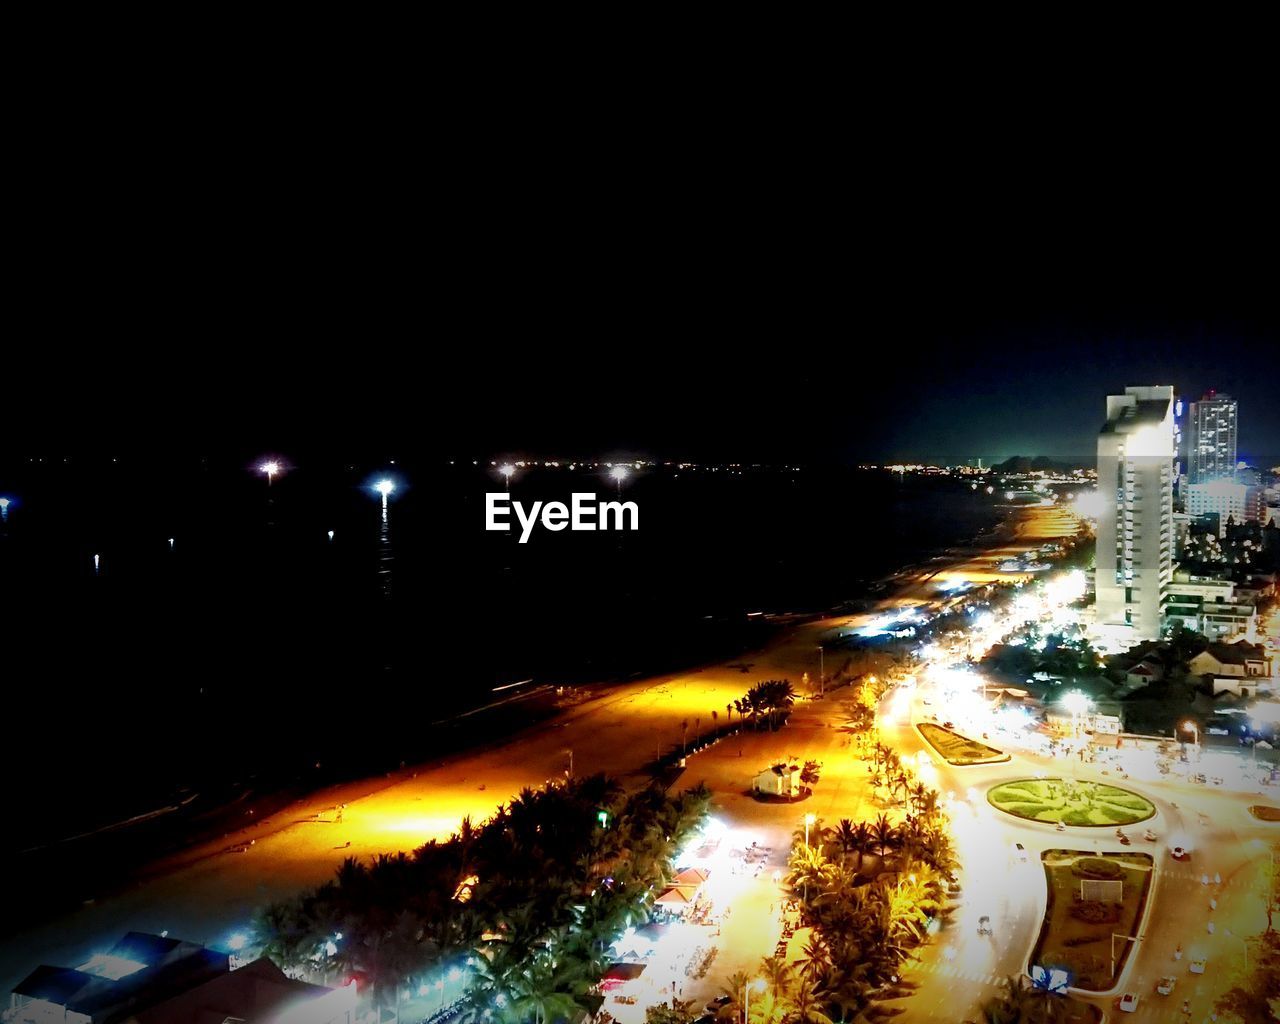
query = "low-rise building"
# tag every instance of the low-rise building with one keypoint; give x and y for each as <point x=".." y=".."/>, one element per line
<point x="1240" y="660"/>
<point x="779" y="780"/>
<point x="1208" y="605"/>
<point x="154" y="979"/>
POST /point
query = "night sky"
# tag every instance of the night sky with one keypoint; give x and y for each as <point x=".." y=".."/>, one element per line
<point x="708" y="339"/>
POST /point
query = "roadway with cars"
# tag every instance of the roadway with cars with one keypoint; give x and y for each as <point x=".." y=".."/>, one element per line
<point x="962" y="968"/>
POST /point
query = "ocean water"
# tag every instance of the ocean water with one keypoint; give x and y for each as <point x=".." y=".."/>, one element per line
<point x="223" y="639"/>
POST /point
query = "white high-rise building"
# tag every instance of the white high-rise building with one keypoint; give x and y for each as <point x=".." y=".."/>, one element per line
<point x="1135" y="530"/>
<point x="1211" y="439"/>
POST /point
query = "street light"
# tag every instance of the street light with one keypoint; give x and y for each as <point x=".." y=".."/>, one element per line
<point x="507" y="471"/>
<point x="384" y="487"/>
<point x="271" y="469"/>
<point x="1195" y="732"/>
<point x="809" y="819"/>
<point x="758" y="985"/>
<point x="1114" y="936"/>
<point x="4" y="508"/>
<point x="822" y="671"/>
<point x="619" y="473"/>
<point x="1077" y="704"/>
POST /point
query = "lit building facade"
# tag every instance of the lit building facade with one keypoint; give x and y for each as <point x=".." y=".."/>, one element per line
<point x="1135" y="529"/>
<point x="1211" y="439"/>
<point x="1226" y="499"/>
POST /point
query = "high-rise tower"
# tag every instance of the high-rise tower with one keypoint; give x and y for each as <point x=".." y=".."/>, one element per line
<point x="1135" y="541"/>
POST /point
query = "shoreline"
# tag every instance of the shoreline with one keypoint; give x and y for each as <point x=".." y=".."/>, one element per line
<point x="610" y="728"/>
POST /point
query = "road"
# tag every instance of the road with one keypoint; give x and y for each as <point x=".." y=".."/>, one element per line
<point x="961" y="969"/>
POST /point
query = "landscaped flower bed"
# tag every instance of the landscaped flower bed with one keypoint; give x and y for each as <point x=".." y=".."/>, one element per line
<point x="1077" y="932"/>
<point x="1072" y="803"/>
<point x="957" y="749"/>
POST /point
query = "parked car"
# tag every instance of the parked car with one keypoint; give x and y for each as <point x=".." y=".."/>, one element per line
<point x="1179" y="853"/>
<point x="1021" y="852"/>
<point x="1165" y="985"/>
<point x="1150" y="836"/>
<point x="1128" y="1002"/>
<point x="1196" y="966"/>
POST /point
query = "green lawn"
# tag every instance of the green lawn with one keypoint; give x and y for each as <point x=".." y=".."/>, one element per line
<point x="1073" y="803"/>
<point x="959" y="749"/>
<point x="1076" y="935"/>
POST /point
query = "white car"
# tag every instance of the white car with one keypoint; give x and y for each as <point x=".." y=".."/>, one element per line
<point x="1196" y="966"/>
<point x="1128" y="1002"/>
<point x="1166" y="985"/>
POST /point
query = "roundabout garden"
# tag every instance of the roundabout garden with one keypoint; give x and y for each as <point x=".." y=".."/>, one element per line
<point x="1069" y="802"/>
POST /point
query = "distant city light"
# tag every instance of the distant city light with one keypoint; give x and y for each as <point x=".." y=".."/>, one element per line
<point x="619" y="473"/>
<point x="508" y="471"/>
<point x="270" y="469"/>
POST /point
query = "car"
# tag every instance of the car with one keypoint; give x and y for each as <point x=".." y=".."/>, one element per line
<point x="1179" y="853"/>
<point x="1196" y="966"/>
<point x="1150" y="836"/>
<point x="1128" y="1002"/>
<point x="1165" y="985"/>
<point x="1021" y="852"/>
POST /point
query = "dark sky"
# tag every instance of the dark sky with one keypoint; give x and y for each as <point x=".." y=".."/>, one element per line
<point x="587" y="321"/>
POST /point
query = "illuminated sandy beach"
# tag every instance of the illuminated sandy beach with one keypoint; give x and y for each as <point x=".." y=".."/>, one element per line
<point x="209" y="893"/>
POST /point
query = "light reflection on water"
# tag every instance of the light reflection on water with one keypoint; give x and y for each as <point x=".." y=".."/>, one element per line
<point x="385" y="554"/>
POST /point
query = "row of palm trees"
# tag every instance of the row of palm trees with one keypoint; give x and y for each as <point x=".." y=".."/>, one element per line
<point x="525" y="906"/>
<point x="869" y="890"/>
<point x="768" y="702"/>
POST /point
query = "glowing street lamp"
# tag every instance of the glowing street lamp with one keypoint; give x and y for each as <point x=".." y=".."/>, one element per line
<point x="1077" y="704"/>
<point x="1194" y="729"/>
<point x="507" y="471"/>
<point x="384" y="487"/>
<point x="809" y="819"/>
<point x="4" y="508"/>
<point x="619" y="473"/>
<point x="237" y="942"/>
<point x="271" y="469"/>
<point x="758" y="986"/>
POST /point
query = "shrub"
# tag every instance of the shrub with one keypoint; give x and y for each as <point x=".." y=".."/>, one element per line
<point x="1097" y="867"/>
<point x="1096" y="913"/>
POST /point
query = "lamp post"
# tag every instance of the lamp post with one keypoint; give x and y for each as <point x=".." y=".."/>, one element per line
<point x="271" y="469"/>
<point x="1114" y="936"/>
<point x="822" y="671"/>
<point x="1195" y="733"/>
<point x="758" y="985"/>
<point x="384" y="487"/>
<point x="507" y="472"/>
<point x="619" y="473"/>
<point x="809" y="819"/>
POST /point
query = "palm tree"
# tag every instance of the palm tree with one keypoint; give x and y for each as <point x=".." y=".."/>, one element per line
<point x="806" y="1007"/>
<point x="776" y="973"/>
<point x="884" y="834"/>
<point x="816" y="959"/>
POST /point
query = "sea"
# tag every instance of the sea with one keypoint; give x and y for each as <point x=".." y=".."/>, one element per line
<point x="191" y="635"/>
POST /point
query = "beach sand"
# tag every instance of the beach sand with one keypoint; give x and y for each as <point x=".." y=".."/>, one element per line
<point x="208" y="893"/>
